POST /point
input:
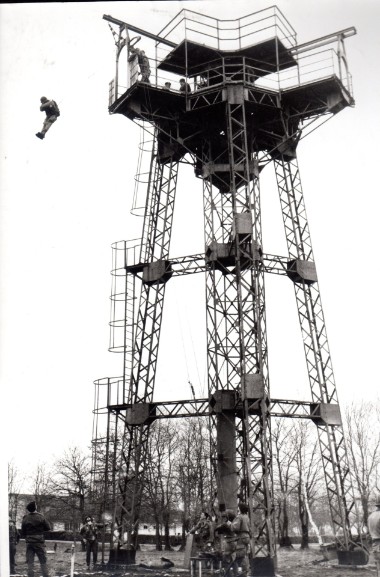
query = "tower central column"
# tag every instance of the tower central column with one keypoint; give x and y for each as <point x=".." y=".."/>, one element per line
<point x="227" y="486"/>
<point x="236" y="325"/>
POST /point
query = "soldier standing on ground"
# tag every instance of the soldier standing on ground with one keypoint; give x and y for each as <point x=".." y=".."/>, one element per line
<point x="14" y="538"/>
<point x="204" y="528"/>
<point x="228" y="543"/>
<point x="241" y="527"/>
<point x="374" y="531"/>
<point x="33" y="527"/>
<point x="50" y="107"/>
<point x="89" y="533"/>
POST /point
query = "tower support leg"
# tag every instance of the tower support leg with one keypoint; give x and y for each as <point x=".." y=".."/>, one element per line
<point x="321" y="377"/>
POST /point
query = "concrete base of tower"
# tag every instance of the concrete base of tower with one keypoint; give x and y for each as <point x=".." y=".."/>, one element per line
<point x="121" y="557"/>
<point x="264" y="567"/>
<point x="355" y="557"/>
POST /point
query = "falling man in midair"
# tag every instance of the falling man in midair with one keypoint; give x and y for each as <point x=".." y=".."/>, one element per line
<point x="52" y="113"/>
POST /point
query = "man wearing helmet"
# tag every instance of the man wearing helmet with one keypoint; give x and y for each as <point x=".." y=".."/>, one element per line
<point x="374" y="531"/>
<point x="241" y="527"/>
<point x="228" y="542"/>
<point x="89" y="533"/>
<point x="51" y="109"/>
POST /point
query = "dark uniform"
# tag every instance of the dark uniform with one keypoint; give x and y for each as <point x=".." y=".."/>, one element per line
<point x="144" y="67"/>
<point x="33" y="527"/>
<point x="89" y="533"/>
<point x="14" y="538"/>
<point x="205" y="531"/>
<point x="144" y="64"/>
<point x="51" y="109"/>
<point x="184" y="86"/>
<point x="229" y="541"/>
<point x="241" y="527"/>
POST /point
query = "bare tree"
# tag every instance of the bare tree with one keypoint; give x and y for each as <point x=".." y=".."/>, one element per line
<point x="363" y="445"/>
<point x="192" y="471"/>
<point x="309" y="476"/>
<point x="71" y="481"/>
<point x="41" y="486"/>
<point x="285" y="482"/>
<point x="159" y="483"/>
<point x="15" y="483"/>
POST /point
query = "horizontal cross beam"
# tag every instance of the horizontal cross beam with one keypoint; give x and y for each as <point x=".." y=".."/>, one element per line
<point x="203" y="408"/>
<point x="139" y="31"/>
<point x="196" y="263"/>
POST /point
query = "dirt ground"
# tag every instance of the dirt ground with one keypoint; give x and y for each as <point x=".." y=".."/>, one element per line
<point x="295" y="563"/>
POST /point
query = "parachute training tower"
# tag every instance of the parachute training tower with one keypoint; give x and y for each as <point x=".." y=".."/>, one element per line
<point x="254" y="94"/>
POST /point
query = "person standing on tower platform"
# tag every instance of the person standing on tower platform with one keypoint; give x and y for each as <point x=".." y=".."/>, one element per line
<point x="184" y="86"/>
<point x="374" y="531"/>
<point x="144" y="64"/>
<point x="33" y="527"/>
<point x="50" y="107"/>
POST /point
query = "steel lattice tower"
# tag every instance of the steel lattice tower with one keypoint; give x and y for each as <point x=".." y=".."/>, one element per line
<point x="250" y="104"/>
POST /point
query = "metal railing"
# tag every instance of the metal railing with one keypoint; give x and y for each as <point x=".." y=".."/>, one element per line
<point x="314" y="66"/>
<point x="311" y="67"/>
<point x="228" y="34"/>
<point x="309" y="62"/>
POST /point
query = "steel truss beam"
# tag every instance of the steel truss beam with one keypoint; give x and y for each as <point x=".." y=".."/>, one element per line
<point x="197" y="263"/>
<point x="155" y="247"/>
<point x="321" y="376"/>
<point x="205" y="408"/>
<point x="312" y="118"/>
<point x="236" y="333"/>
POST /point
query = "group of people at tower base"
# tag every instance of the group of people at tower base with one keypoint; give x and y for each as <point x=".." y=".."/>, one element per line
<point x="233" y="536"/>
<point x="234" y="531"/>
<point x="236" y="538"/>
<point x="33" y="529"/>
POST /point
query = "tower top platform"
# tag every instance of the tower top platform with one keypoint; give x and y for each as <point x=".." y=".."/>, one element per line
<point x="258" y="52"/>
<point x="230" y="35"/>
<point x="265" y="37"/>
<point x="271" y="52"/>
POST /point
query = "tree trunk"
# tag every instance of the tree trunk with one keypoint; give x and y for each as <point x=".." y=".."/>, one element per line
<point x="158" y="536"/>
<point x="167" y="545"/>
<point x="364" y="500"/>
<point x="185" y="528"/>
<point x="309" y="516"/>
<point x="304" y="519"/>
<point x="285" y="540"/>
<point x="305" y="535"/>
<point x="81" y="505"/>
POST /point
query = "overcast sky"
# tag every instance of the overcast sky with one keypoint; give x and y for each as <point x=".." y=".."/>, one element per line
<point x="66" y="199"/>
